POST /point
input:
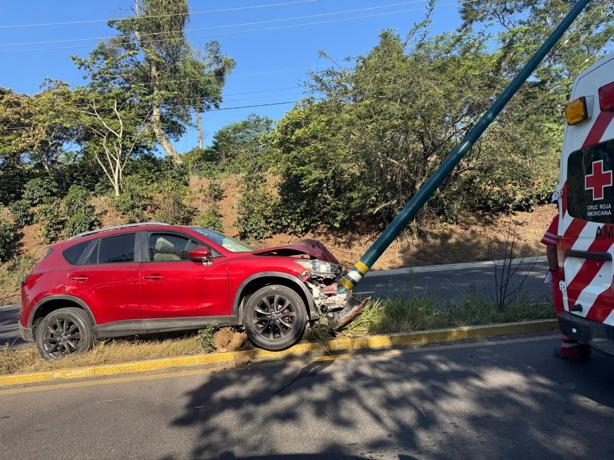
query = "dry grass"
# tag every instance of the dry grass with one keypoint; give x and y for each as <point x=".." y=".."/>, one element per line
<point x="26" y="358"/>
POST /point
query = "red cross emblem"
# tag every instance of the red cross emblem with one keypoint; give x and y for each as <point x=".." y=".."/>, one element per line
<point x="598" y="180"/>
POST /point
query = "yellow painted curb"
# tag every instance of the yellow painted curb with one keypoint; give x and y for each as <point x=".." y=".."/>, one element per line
<point x="376" y="342"/>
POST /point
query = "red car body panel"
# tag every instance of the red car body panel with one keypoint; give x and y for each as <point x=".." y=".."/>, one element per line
<point x="183" y="289"/>
<point x="312" y="248"/>
<point x="111" y="291"/>
<point x="150" y="290"/>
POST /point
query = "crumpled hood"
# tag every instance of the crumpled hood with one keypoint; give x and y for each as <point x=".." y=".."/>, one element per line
<point x="312" y="248"/>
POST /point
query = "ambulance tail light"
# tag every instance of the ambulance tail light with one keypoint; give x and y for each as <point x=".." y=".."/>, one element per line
<point x="606" y="97"/>
<point x="576" y="111"/>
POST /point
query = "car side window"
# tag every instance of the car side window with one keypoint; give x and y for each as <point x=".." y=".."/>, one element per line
<point x="114" y="250"/>
<point x="74" y="253"/>
<point x="169" y="247"/>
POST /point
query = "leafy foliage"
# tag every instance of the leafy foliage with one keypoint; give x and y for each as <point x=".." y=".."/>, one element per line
<point x="40" y="190"/>
<point x="7" y="240"/>
<point x="378" y="130"/>
<point x="241" y="141"/>
<point x="211" y="219"/>
<point x="52" y="220"/>
<point x="172" y="206"/>
<point x="151" y="59"/>
<point x="255" y="218"/>
<point x="215" y="191"/>
<point x="68" y="217"/>
<point x="136" y="201"/>
<point x="80" y="214"/>
<point x="205" y="337"/>
<point x="20" y="210"/>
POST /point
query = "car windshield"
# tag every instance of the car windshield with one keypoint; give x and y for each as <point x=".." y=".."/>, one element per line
<point x="225" y="241"/>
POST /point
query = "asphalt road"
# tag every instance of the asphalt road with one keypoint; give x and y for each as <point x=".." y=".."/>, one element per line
<point x="452" y="283"/>
<point x="491" y="400"/>
<point x="449" y="283"/>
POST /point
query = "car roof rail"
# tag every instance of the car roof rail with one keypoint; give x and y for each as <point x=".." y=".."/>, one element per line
<point x="116" y="227"/>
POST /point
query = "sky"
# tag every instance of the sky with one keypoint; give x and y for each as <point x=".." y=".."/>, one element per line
<point x="275" y="43"/>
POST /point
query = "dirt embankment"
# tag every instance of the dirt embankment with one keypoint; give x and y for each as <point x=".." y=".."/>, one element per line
<point x="473" y="238"/>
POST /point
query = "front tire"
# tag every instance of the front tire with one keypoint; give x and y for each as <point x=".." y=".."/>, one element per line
<point x="274" y="317"/>
<point x="64" y="331"/>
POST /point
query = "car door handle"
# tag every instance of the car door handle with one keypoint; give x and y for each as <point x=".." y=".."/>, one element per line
<point x="153" y="276"/>
<point x="79" y="278"/>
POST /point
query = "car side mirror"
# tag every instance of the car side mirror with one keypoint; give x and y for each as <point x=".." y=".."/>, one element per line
<point x="200" y="254"/>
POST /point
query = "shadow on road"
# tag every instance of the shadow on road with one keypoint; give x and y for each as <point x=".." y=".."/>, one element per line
<point x="486" y="402"/>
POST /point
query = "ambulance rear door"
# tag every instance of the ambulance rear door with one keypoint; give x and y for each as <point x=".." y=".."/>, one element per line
<point x="587" y="200"/>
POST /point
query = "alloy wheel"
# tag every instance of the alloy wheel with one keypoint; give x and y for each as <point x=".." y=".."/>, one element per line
<point x="274" y="317"/>
<point x="61" y="337"/>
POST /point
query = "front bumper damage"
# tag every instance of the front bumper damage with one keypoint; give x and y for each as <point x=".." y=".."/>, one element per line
<point x="336" y="308"/>
<point x="323" y="289"/>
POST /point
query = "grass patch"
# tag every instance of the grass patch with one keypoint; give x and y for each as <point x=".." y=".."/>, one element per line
<point x="401" y="315"/>
<point x="26" y="359"/>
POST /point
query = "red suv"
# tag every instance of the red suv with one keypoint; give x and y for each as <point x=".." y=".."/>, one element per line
<point x="151" y="277"/>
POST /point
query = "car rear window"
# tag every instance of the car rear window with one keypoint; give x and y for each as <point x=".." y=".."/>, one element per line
<point x="73" y="253"/>
<point x="112" y="250"/>
<point x="590" y="182"/>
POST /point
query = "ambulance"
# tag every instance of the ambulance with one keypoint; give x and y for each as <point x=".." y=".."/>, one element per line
<point x="586" y="209"/>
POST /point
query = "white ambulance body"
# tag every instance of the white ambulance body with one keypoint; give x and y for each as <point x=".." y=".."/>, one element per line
<point x="586" y="209"/>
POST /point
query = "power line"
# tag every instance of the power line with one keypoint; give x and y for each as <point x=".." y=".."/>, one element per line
<point x="252" y="106"/>
<point x="224" y="26"/>
<point x="221" y="109"/>
<point x="192" y="13"/>
<point x="290" y="26"/>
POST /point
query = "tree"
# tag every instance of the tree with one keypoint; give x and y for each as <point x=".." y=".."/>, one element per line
<point x="377" y="131"/>
<point x="114" y="130"/>
<point x="151" y="58"/>
<point x="246" y="137"/>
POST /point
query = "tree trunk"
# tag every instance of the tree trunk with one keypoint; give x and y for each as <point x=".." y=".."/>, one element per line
<point x="156" y="125"/>
<point x="199" y="124"/>
<point x="156" y="119"/>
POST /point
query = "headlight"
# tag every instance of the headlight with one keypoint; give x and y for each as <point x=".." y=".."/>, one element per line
<point x="318" y="266"/>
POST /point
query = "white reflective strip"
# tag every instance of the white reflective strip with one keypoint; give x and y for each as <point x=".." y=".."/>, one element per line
<point x="599" y="284"/>
<point x="356" y="277"/>
<point x="564" y="223"/>
<point x="585" y="239"/>
<point x="609" y="319"/>
<point x="609" y="132"/>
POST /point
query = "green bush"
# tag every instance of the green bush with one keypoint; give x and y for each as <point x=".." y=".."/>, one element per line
<point x="77" y="199"/>
<point x="7" y="240"/>
<point x="255" y="209"/>
<point x="136" y="200"/>
<point x="211" y="218"/>
<point x="40" y="190"/>
<point x="80" y="222"/>
<point x="20" y="210"/>
<point x="52" y="220"/>
<point x="172" y="208"/>
<point x="151" y="170"/>
<point x="205" y="337"/>
<point x="68" y="217"/>
<point x="215" y="191"/>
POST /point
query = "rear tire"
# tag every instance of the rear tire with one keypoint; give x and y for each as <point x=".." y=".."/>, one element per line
<point x="274" y="317"/>
<point x="63" y="332"/>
